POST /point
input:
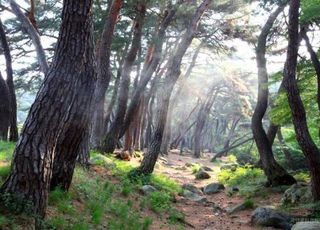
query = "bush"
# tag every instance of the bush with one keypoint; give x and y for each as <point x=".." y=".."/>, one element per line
<point x="248" y="179"/>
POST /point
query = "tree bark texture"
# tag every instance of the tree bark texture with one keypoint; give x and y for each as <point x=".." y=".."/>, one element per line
<point x="60" y="115"/>
<point x="299" y="119"/>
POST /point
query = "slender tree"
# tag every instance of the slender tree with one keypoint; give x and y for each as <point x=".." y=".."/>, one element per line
<point x="298" y="112"/>
<point x="59" y="117"/>
<point x="4" y="109"/>
<point x="33" y="33"/>
<point x="104" y="73"/>
<point x="111" y="138"/>
<point x="164" y="92"/>
<point x="275" y="173"/>
<point x="13" y="136"/>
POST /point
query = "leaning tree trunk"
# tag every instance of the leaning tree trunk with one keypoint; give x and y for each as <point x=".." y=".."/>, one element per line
<point x="165" y="90"/>
<point x="13" y="136"/>
<point x="111" y="138"/>
<point x="275" y="173"/>
<point x="151" y="63"/>
<point x="4" y="109"/>
<point x="60" y="116"/>
<point x="33" y="33"/>
<point x="298" y="112"/>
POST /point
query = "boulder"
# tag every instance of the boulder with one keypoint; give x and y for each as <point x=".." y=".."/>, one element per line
<point x="147" y="189"/>
<point x="192" y="188"/>
<point x="297" y="193"/>
<point x="193" y="196"/>
<point x="201" y="174"/>
<point x="213" y="188"/>
<point x="269" y="217"/>
<point x="309" y="225"/>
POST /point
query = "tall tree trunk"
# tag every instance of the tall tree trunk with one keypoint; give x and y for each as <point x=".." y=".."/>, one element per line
<point x="33" y="33"/>
<point x="275" y="173"/>
<point x="4" y="109"/>
<point x="201" y="120"/>
<point x="13" y="136"/>
<point x="172" y="75"/>
<point x="111" y="138"/>
<point x="151" y="63"/>
<point x="60" y="115"/>
<point x="315" y="62"/>
<point x="299" y="118"/>
<point x="104" y="73"/>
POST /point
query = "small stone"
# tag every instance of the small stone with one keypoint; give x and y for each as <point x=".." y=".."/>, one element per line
<point x="213" y="188"/>
<point x="308" y="225"/>
<point x="147" y="189"/>
<point x="193" y="196"/>
<point x="201" y="174"/>
<point x="236" y="208"/>
<point x="192" y="188"/>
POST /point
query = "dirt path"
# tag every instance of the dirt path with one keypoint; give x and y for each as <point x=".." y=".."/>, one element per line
<point x="208" y="215"/>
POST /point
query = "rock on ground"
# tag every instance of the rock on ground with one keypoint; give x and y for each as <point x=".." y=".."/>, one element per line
<point x="213" y="188"/>
<point x="192" y="188"/>
<point x="237" y="208"/>
<point x="309" y="225"/>
<point x="269" y="217"/>
<point x="147" y="189"/>
<point x="297" y="193"/>
<point x="201" y="174"/>
<point x="193" y="196"/>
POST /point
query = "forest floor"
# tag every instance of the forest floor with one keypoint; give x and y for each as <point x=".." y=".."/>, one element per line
<point x="109" y="195"/>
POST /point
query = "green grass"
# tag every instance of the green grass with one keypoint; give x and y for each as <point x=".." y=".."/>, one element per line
<point x="4" y="171"/>
<point x="6" y="150"/>
<point x="160" y="201"/>
<point x="249" y="180"/>
<point x="94" y="202"/>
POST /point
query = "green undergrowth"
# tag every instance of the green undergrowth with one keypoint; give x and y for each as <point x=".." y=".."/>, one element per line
<point x="99" y="201"/>
<point x="6" y="151"/>
<point x="249" y="180"/>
